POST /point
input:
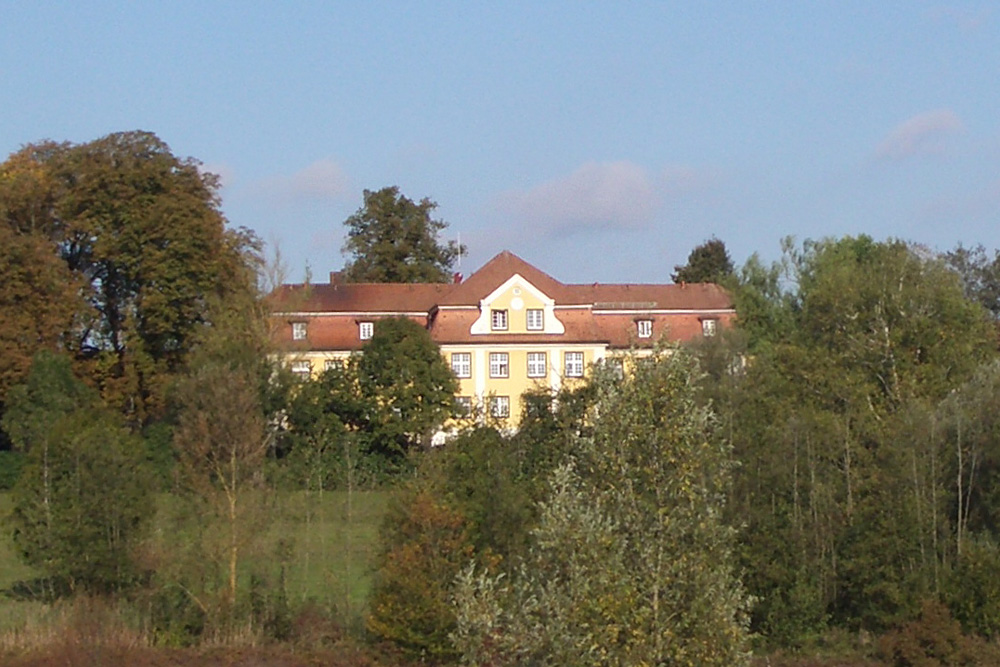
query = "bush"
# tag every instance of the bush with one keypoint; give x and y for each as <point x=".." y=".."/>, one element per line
<point x="935" y="639"/>
<point x="10" y="469"/>
<point x="425" y="545"/>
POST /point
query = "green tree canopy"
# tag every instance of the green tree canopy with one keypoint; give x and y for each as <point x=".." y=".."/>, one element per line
<point x="707" y="263"/>
<point x="141" y="233"/>
<point x="630" y="562"/>
<point x="392" y="239"/>
<point x="84" y="497"/>
<point x="38" y="303"/>
<point x="402" y="371"/>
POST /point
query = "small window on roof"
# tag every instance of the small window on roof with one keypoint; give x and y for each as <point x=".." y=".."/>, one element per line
<point x="298" y="330"/>
<point x="536" y="319"/>
<point x="708" y="327"/>
<point x="498" y="320"/>
<point x="365" y="330"/>
<point x="644" y="328"/>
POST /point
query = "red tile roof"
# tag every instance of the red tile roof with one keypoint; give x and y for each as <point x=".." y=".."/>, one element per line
<point x="359" y="297"/>
<point x="609" y="315"/>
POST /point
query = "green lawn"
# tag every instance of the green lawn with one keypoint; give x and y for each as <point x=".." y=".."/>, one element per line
<point x="13" y="613"/>
<point x="331" y="539"/>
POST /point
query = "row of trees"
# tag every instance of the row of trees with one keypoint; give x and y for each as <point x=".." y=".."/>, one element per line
<point x="136" y="358"/>
<point x="863" y="421"/>
<point x="836" y="449"/>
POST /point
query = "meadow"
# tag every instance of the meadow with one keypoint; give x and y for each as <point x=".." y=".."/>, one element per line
<point x="329" y="540"/>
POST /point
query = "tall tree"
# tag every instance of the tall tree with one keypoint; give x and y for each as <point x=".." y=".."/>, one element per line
<point x="403" y="373"/>
<point x="392" y="239"/>
<point x="38" y="303"/>
<point x="631" y="562"/>
<point x="843" y="477"/>
<point x="141" y="230"/>
<point x="83" y="500"/>
<point x="707" y="263"/>
<point x="980" y="275"/>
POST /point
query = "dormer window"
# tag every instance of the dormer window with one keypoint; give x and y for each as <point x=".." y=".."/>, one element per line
<point x="365" y="330"/>
<point x="644" y="328"/>
<point x="536" y="319"/>
<point x="708" y="327"/>
<point x="498" y="320"/>
<point x="298" y="330"/>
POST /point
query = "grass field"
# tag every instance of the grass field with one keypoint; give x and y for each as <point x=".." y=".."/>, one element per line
<point x="330" y="537"/>
<point x="333" y="539"/>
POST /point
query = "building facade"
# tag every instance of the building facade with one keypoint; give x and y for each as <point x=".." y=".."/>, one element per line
<point x="506" y="329"/>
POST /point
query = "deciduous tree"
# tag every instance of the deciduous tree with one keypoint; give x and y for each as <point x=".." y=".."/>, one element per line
<point x="631" y="563"/>
<point x="84" y="497"/>
<point x="141" y="229"/>
<point x="402" y="371"/>
<point x="392" y="239"/>
<point x="707" y="263"/>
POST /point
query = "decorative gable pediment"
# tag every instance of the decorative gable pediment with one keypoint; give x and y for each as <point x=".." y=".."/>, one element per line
<point x="515" y="305"/>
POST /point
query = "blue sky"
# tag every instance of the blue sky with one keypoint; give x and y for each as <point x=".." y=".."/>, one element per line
<point x="599" y="141"/>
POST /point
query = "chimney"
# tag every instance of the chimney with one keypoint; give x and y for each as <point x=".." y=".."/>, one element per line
<point x="456" y="278"/>
<point x="335" y="278"/>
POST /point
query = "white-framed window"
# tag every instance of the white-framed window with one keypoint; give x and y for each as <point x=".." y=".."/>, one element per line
<point x="537" y="365"/>
<point x="500" y="407"/>
<point x="574" y="364"/>
<point x="617" y="367"/>
<point x="365" y="330"/>
<point x="461" y="364"/>
<point x="302" y="370"/>
<point x="331" y="364"/>
<point x="499" y="365"/>
<point x="644" y="328"/>
<point x="498" y="320"/>
<point x="463" y="405"/>
<point x="708" y="327"/>
<point x="535" y="319"/>
<point x="298" y="330"/>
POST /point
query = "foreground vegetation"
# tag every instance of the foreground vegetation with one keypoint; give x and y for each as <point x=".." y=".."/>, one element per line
<point x="818" y="485"/>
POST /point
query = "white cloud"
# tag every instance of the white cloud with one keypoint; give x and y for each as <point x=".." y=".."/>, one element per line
<point x="923" y="134"/>
<point x="595" y="196"/>
<point x="321" y="180"/>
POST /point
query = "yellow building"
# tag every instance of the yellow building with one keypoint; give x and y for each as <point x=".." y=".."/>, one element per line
<point x="508" y="328"/>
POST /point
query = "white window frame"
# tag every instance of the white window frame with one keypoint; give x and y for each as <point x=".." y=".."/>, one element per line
<point x="500" y="407"/>
<point x="464" y="405"/>
<point x="499" y="365"/>
<point x="331" y="364"/>
<point x="461" y="364"/>
<point x="537" y="364"/>
<point x="366" y="330"/>
<point x="709" y="327"/>
<point x="299" y="330"/>
<point x="644" y="328"/>
<point x="539" y="325"/>
<point x="573" y="364"/>
<point x="301" y="369"/>
<point x="498" y="320"/>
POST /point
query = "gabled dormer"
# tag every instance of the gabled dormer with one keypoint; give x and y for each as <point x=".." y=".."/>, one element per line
<point x="517" y="307"/>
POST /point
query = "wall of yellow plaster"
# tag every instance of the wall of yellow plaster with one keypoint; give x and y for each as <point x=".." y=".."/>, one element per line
<point x="517" y="382"/>
<point x="517" y="319"/>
